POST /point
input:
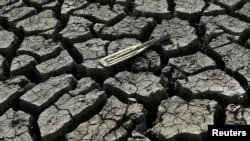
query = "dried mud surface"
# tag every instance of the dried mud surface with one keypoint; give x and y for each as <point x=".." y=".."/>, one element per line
<point x="52" y="86"/>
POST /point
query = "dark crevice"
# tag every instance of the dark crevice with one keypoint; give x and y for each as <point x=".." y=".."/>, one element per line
<point x="110" y="3"/>
<point x="65" y="17"/>
<point x="238" y="77"/>
<point x="74" y="53"/>
<point x="26" y="2"/>
<point x="198" y="25"/>
<point x="150" y="63"/>
<point x="148" y="30"/>
<point x="107" y="23"/>
<point x="164" y="60"/>
<point x="63" y="22"/>
<point x="171" y="6"/>
<point x="75" y="73"/>
<point x="242" y="17"/>
<point x="157" y="17"/>
<point x="116" y="20"/>
<point x="151" y="117"/>
<point x="17" y="31"/>
<point x="167" y="75"/>
<point x="219" y="115"/>
<point x="92" y="30"/>
<point x="158" y="49"/>
<point x="26" y="86"/>
<point x="19" y="37"/>
<point x="6" y="70"/>
<point x="229" y="10"/>
<point x="57" y="11"/>
<point x="4" y="23"/>
<point x="61" y="1"/>
<point x="10" y="2"/>
<point x="40" y="8"/>
<point x="152" y="137"/>
<point x="244" y="36"/>
<point x="97" y="29"/>
<point x="106" y="48"/>
<point x="34" y="129"/>
<point x="201" y="33"/>
<point x="248" y="94"/>
<point x="130" y="5"/>
<point x="152" y="112"/>
<point x="33" y="4"/>
<point x="28" y="72"/>
<point x="121" y="36"/>
<point x="120" y="124"/>
<point x="171" y="89"/>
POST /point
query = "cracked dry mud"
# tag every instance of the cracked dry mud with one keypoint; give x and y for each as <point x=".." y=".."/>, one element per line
<point x="52" y="86"/>
<point x="182" y="120"/>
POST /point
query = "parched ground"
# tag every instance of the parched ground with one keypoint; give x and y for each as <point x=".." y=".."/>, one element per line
<point x="53" y="88"/>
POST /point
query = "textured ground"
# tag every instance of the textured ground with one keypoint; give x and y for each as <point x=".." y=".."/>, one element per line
<point x="52" y="86"/>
